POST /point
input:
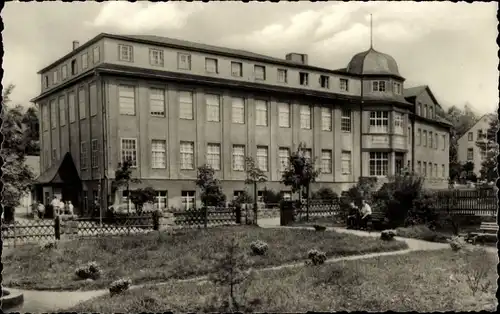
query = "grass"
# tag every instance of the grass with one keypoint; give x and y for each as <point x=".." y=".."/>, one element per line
<point x="158" y="257"/>
<point x="327" y="221"/>
<point x="418" y="281"/>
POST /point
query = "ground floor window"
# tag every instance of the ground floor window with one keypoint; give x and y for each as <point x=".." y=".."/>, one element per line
<point x="188" y="200"/>
<point x="237" y="194"/>
<point x="379" y="164"/>
<point x="161" y="199"/>
<point x="260" y="196"/>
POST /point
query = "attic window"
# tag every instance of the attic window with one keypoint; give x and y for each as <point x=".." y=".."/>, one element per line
<point x="46" y="81"/>
<point x="324" y="81"/>
<point x="378" y="86"/>
<point x="304" y="78"/>
<point x="73" y="67"/>
<point x="397" y="88"/>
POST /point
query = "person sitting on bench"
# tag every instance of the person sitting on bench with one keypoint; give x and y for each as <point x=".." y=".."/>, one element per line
<point x="353" y="216"/>
<point x="366" y="214"/>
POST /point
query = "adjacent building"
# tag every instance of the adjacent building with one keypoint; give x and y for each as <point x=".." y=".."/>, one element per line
<point x="171" y="105"/>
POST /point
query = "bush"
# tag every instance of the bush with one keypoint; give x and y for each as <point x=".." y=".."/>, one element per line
<point x="319" y="228"/>
<point x="457" y="243"/>
<point x="119" y="286"/>
<point x="387" y="235"/>
<point x="324" y="194"/>
<point x="271" y="198"/>
<point x="475" y="264"/>
<point x="89" y="271"/>
<point x="259" y="247"/>
<point x="49" y="245"/>
<point x="316" y="257"/>
<point x="422" y="232"/>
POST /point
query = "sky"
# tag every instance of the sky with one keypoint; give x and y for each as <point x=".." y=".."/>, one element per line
<point x="449" y="46"/>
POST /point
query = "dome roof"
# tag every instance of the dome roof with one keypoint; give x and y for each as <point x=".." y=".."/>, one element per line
<point x="373" y="62"/>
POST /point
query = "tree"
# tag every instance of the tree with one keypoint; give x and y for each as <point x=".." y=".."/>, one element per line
<point x="300" y="173"/>
<point x="140" y="197"/>
<point x="254" y="176"/>
<point x="123" y="178"/>
<point x="489" y="146"/>
<point x="32" y="131"/>
<point x="17" y="176"/>
<point x="211" y="191"/>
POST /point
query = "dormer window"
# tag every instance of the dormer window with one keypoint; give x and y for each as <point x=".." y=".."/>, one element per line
<point x="378" y="86"/>
<point x="397" y="88"/>
<point x="324" y="81"/>
<point x="46" y="81"/>
<point x="304" y="78"/>
<point x="344" y="85"/>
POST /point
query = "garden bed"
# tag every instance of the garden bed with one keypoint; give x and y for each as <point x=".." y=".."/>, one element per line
<point x="158" y="257"/>
<point x="417" y="281"/>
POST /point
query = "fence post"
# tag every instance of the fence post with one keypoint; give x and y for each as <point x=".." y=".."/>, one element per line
<point x="156" y="220"/>
<point x="205" y="216"/>
<point x="57" y="227"/>
<point x="15" y="237"/>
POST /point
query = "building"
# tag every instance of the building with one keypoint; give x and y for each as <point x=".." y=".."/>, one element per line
<point x="467" y="148"/>
<point x="172" y="105"/>
<point x="33" y="162"/>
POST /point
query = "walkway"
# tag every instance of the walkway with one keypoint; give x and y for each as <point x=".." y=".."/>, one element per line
<point x="49" y="301"/>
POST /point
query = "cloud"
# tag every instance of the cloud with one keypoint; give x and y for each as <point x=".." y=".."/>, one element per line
<point x="143" y="17"/>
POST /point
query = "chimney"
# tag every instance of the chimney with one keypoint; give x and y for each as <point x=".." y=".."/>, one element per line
<point x="297" y="57"/>
<point x="76" y="44"/>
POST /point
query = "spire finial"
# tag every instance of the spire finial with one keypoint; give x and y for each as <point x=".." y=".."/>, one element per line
<point x="371" y="31"/>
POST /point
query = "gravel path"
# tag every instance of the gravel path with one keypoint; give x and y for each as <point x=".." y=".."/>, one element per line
<point x="48" y="301"/>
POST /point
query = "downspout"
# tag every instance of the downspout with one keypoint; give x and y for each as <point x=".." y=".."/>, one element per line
<point x="104" y="124"/>
<point x="361" y="131"/>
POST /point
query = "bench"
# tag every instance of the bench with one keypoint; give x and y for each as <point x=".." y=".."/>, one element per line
<point x="377" y="219"/>
<point x="488" y="227"/>
<point x="487" y="233"/>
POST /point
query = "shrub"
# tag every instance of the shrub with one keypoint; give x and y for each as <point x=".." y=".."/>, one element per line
<point x="89" y="271"/>
<point x="324" y="194"/>
<point x="49" y="245"/>
<point x="422" y="232"/>
<point x="475" y="265"/>
<point x="319" y="228"/>
<point x="457" y="243"/>
<point x="259" y="247"/>
<point x="119" y="286"/>
<point x="271" y="198"/>
<point x="316" y="257"/>
<point x="387" y="235"/>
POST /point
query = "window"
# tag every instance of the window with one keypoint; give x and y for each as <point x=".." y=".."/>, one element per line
<point x="326" y="161"/>
<point x="46" y="81"/>
<point x="419" y="167"/>
<point x="443" y="172"/>
<point x="378" y="86"/>
<point x="62" y="111"/>
<point x="284" y="115"/>
<point x="345" y="120"/>
<point x="156" y="57"/>
<point x="419" y="137"/>
<point x="482" y="152"/>
<point x="480" y="134"/>
<point x="430" y="170"/>
<point x="211" y="65"/>
<point x="237" y="194"/>
<point x="54" y="154"/>
<point x="126" y="95"/>
<point x="409" y="136"/>
<point x="282" y="76"/>
<point x="398" y="123"/>
<point x="125" y="53"/>
<point x="74" y="69"/>
<point x="53" y="114"/>
<point x="213" y="156"/>
<point x="397" y="88"/>
<point x="64" y="72"/>
<point x="470" y="154"/>
<point x="260" y="196"/>
<point x="187" y="155"/>
<point x="324" y="81"/>
<point x="344" y="85"/>
<point x="236" y="69"/>
<point x="435" y="170"/>
<point x="129" y="151"/>
<point x="45" y="117"/>
<point x="379" y="163"/>
<point x="188" y="200"/>
<point x="304" y="78"/>
<point x="262" y="158"/>
<point x="444" y="141"/>
<point x="95" y="154"/>
<point x="93" y="99"/>
<point x="425" y="111"/>
<point x="55" y="77"/>
<point x="96" y="54"/>
<point x="326" y="119"/>
<point x="238" y="157"/>
<point x="436" y="141"/>
<point x="84" y="158"/>
<point x="284" y="155"/>
<point x="470" y="136"/>
<point x="158" y="154"/>
<point x="157" y="102"/>
<point x="419" y="108"/>
<point x="425" y="138"/>
<point x="431" y="141"/>
<point x="161" y="199"/>
<point x="379" y="121"/>
<point x="431" y="112"/>
<point x="213" y="107"/>
<point x="305" y="117"/>
<point x="346" y="162"/>
<point x="71" y="105"/>
<point x="186" y="105"/>
<point x="238" y="110"/>
<point x="260" y="112"/>
<point x="259" y="72"/>
<point x="183" y="61"/>
<point x="424" y="169"/>
<point x="85" y="60"/>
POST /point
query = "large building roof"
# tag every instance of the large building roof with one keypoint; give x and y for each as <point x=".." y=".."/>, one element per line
<point x="372" y="62"/>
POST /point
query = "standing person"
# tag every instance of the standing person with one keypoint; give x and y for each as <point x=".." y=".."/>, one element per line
<point x="70" y="209"/>
<point x="366" y="213"/>
<point x="40" y="210"/>
<point x="55" y="205"/>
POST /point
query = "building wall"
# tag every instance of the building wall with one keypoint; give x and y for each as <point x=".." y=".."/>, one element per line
<point x="464" y="144"/>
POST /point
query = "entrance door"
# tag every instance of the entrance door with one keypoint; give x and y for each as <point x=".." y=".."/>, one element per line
<point x="399" y="162"/>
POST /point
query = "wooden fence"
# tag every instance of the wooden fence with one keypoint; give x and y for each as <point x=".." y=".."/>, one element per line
<point x="480" y="202"/>
<point x="207" y="217"/>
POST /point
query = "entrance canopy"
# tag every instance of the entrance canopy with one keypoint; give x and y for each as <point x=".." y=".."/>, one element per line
<point x="62" y="172"/>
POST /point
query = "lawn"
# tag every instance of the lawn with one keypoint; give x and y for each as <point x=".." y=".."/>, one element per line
<point x="418" y="281"/>
<point x="158" y="257"/>
<point x="327" y="221"/>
